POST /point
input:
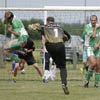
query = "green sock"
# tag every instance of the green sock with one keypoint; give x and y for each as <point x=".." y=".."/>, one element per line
<point x="89" y="74"/>
<point x="97" y="77"/>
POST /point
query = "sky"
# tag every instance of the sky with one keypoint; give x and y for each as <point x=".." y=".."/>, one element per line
<point x="42" y="3"/>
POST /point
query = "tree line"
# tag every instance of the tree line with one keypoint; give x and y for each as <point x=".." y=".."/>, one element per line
<point x="73" y="28"/>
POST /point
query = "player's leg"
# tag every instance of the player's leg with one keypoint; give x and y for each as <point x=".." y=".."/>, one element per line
<point x="85" y="62"/>
<point x="17" y="67"/>
<point x="13" y="62"/>
<point x="97" y="74"/>
<point x="16" y="44"/>
<point x="46" y="75"/>
<point x="7" y="46"/>
<point x="52" y="70"/>
<point x="92" y="64"/>
<point x="15" y="72"/>
<point x="36" y="66"/>
<point x="22" y="63"/>
<point x="57" y="52"/>
<point x="31" y="61"/>
<point x="13" y="66"/>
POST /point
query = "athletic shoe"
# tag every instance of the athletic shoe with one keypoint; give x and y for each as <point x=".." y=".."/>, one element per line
<point x="65" y="88"/>
<point x="45" y="81"/>
<point x="22" y="71"/>
<point x="14" y="81"/>
<point x="96" y="86"/>
<point x="82" y="70"/>
<point x="86" y="85"/>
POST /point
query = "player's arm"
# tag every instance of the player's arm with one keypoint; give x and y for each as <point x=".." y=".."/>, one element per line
<point x="12" y="32"/>
<point x="43" y="40"/>
<point x="97" y="45"/>
<point x="20" y="52"/>
<point x="34" y="27"/>
<point x="94" y="30"/>
<point x="94" y="33"/>
<point x="67" y="34"/>
<point x="28" y="51"/>
<point x="31" y="49"/>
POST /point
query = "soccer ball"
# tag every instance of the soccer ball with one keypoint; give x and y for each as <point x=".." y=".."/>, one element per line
<point x="22" y="71"/>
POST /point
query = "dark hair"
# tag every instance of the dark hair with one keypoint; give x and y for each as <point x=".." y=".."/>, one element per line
<point x="93" y="16"/>
<point x="11" y="15"/>
<point x="50" y="19"/>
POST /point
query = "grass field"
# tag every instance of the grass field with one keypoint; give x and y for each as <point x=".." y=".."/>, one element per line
<point x="30" y="86"/>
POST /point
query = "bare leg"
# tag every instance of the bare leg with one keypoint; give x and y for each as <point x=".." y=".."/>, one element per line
<point x="38" y="69"/>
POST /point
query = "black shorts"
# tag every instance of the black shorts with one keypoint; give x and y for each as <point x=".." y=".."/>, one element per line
<point x="28" y="58"/>
<point x="57" y="52"/>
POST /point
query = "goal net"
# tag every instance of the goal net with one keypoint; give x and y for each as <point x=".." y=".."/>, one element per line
<point x="72" y="19"/>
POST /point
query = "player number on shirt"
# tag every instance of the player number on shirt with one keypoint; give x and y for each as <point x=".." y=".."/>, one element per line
<point x="56" y="32"/>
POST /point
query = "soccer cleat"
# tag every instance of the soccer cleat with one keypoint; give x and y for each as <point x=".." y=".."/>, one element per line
<point x="22" y="71"/>
<point x="14" y="80"/>
<point x="86" y="85"/>
<point x="45" y="81"/>
<point x="96" y="86"/>
<point x="82" y="70"/>
<point x="65" y="88"/>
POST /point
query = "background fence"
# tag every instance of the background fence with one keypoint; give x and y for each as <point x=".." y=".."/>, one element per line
<point x="72" y="19"/>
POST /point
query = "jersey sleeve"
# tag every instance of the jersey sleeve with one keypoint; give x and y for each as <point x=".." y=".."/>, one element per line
<point x="42" y="31"/>
<point x="66" y="33"/>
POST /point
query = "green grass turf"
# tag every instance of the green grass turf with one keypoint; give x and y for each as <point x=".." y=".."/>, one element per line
<point x="30" y="86"/>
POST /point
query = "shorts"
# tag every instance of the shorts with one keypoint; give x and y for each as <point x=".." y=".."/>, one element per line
<point x="97" y="53"/>
<point x="57" y="52"/>
<point x="28" y="58"/>
<point x="90" y="51"/>
<point x="85" y="57"/>
<point x="15" y="58"/>
<point x="87" y="53"/>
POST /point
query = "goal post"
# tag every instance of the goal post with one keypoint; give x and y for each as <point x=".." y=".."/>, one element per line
<point x="56" y="8"/>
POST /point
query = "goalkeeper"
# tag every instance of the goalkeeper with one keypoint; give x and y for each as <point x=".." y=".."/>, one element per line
<point x="52" y="38"/>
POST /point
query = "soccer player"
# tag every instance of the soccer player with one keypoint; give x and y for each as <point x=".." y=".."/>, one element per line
<point x="49" y="66"/>
<point x="14" y="62"/>
<point x="18" y="33"/>
<point x="90" y="37"/>
<point x="27" y="55"/>
<point x="52" y="38"/>
<point x="15" y="27"/>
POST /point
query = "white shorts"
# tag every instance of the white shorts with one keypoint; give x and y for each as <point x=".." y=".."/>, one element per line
<point x="87" y="53"/>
